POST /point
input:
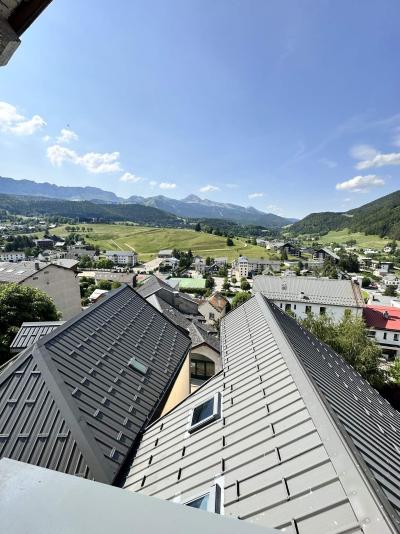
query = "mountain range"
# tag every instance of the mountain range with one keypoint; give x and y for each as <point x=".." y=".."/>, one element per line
<point x="192" y="206"/>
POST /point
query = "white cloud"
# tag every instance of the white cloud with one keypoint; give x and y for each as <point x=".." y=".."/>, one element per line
<point x="152" y="183"/>
<point x="380" y="160"/>
<point x="66" y="136"/>
<point x="363" y="152"/>
<point x="129" y="177"/>
<point x="255" y="195"/>
<point x="46" y="138"/>
<point x="361" y="183"/>
<point x="167" y="185"/>
<point x="208" y="188"/>
<point x="93" y="162"/>
<point x="12" y="122"/>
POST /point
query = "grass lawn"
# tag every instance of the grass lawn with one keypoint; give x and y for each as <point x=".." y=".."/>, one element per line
<point x="147" y="241"/>
<point x="364" y="241"/>
<point x="190" y="283"/>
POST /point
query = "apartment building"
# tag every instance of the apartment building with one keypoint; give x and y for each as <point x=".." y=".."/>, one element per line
<point x="246" y="267"/>
<point x="122" y="257"/>
<point x="13" y="256"/>
<point x="303" y="295"/>
<point x="60" y="283"/>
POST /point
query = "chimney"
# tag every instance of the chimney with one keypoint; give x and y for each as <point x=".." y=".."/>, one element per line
<point x="385" y="315"/>
<point x="36" y="265"/>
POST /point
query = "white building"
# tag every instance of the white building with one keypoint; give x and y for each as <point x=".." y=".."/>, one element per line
<point x="383" y="324"/>
<point x="244" y="266"/>
<point x="59" y="283"/>
<point x="122" y="257"/>
<point x="12" y="256"/>
<point x="304" y="295"/>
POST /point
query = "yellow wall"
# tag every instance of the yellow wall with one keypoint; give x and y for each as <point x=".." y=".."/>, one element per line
<point x="181" y="388"/>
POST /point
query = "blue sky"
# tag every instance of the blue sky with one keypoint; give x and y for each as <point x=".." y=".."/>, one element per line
<point x="291" y="106"/>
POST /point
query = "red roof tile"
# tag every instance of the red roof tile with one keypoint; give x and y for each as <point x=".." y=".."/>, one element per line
<point x="382" y="317"/>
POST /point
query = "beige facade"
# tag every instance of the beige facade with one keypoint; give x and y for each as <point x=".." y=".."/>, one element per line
<point x="61" y="285"/>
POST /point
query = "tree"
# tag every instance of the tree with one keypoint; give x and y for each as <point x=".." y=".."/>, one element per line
<point x="349" y="338"/>
<point x="240" y="298"/>
<point x="104" y="264"/>
<point x="197" y="227"/>
<point x="104" y="284"/>
<point x="390" y="291"/>
<point x="226" y="285"/>
<point x="85" y="261"/>
<point x="17" y="305"/>
<point x="366" y="281"/>
<point x="208" y="261"/>
<point x="229" y="242"/>
<point x="234" y="280"/>
<point x="115" y="285"/>
<point x="244" y="284"/>
<point x="210" y="282"/>
<point x="394" y="371"/>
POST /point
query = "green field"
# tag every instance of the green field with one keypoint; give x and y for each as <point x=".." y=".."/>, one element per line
<point x="364" y="241"/>
<point x="147" y="241"/>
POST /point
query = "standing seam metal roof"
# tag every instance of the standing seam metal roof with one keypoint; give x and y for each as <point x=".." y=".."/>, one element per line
<point x="74" y="393"/>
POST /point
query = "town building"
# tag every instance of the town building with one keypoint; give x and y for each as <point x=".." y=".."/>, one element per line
<point x="323" y="253"/>
<point x="214" y="308"/>
<point x="246" y="267"/>
<point x="304" y="295"/>
<point x="179" y="300"/>
<point x="122" y="257"/>
<point x="13" y="256"/>
<point x="389" y="280"/>
<point x="76" y="252"/>
<point x="166" y="253"/>
<point x="287" y="436"/>
<point x="60" y="283"/>
<point x="44" y="243"/>
<point x="383" y="323"/>
<point x="97" y="294"/>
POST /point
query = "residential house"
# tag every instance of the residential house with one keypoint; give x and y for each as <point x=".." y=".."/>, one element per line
<point x="304" y="295"/>
<point x="383" y="323"/>
<point x="60" y="283"/>
<point x="91" y="387"/>
<point x="214" y="308"/>
<point x="364" y="262"/>
<point x="246" y="267"/>
<point x="323" y="253"/>
<point x="172" y="263"/>
<point x="13" y="256"/>
<point x="283" y="247"/>
<point x="200" y="265"/>
<point x="166" y="253"/>
<point x="287" y="436"/>
<point x="122" y="257"/>
<point x="272" y="267"/>
<point x="389" y="280"/>
<point x="44" y="243"/>
<point x="179" y="300"/>
<point x="111" y="276"/>
<point x="76" y="252"/>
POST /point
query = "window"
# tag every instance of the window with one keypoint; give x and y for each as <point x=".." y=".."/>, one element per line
<point x="395" y="337"/>
<point x="210" y="501"/>
<point x="211" y="316"/>
<point x="322" y="310"/>
<point x="205" y="413"/>
<point x="138" y="366"/>
<point x="384" y="335"/>
<point x="294" y="306"/>
<point x="201" y="369"/>
<point x="308" y="309"/>
<point x="288" y="307"/>
<point x="371" y="333"/>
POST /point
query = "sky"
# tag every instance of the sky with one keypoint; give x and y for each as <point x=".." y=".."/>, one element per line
<point x="291" y="106"/>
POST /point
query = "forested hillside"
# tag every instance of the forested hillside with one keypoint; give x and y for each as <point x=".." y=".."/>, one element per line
<point x="85" y="211"/>
<point x="380" y="217"/>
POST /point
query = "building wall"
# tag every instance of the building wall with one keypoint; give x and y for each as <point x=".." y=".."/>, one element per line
<point x="180" y="389"/>
<point x="388" y="339"/>
<point x="206" y="309"/>
<point x="62" y="285"/>
<point x="265" y="452"/>
<point x="12" y="256"/>
<point x="299" y="308"/>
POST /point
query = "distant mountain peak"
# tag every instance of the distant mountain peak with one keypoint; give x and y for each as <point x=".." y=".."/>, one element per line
<point x="192" y="198"/>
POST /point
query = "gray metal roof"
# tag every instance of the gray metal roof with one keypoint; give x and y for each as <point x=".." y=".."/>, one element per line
<point x="309" y="289"/>
<point x="366" y="418"/>
<point x="18" y="272"/>
<point x="199" y="336"/>
<point x="151" y="285"/>
<point x="280" y="454"/>
<point x="72" y="402"/>
<point x="29" y="333"/>
<point x="39" y="501"/>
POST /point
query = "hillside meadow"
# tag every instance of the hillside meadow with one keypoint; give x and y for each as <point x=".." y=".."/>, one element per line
<point x="147" y="241"/>
<point x="364" y="241"/>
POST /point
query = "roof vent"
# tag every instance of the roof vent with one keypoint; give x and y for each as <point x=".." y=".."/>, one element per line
<point x="385" y="314"/>
<point x="138" y="366"/>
